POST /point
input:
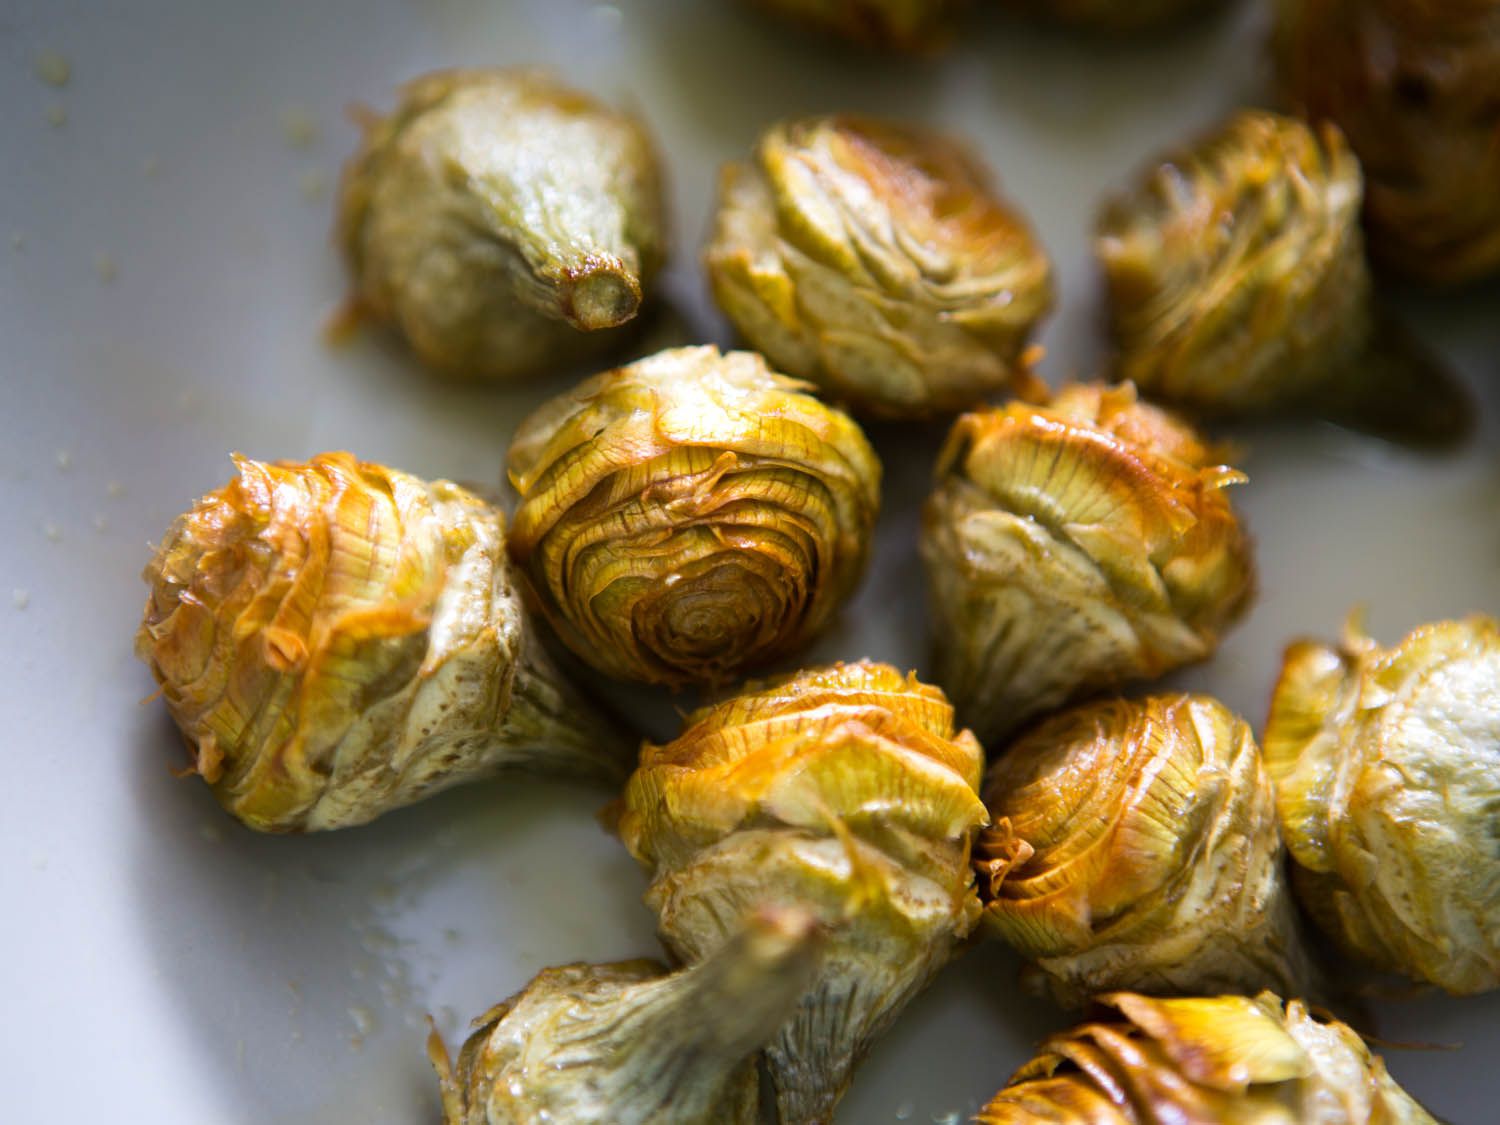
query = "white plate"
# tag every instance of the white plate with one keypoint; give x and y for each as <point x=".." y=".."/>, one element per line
<point x="165" y="276"/>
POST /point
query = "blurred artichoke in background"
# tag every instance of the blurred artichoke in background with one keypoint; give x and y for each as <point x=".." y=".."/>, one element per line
<point x="1237" y="284"/>
<point x="1133" y="844"/>
<point x="1415" y="85"/>
<point x="691" y="515"/>
<point x="1387" y="768"/>
<point x="502" y="221"/>
<point x="1223" y="1060"/>
<point x="1116" y="17"/>
<point x="336" y="639"/>
<point x="876" y="260"/>
<point x="844" y="791"/>
<point x="904" y="25"/>
<point x="623" y="1044"/>
<point x="1072" y="547"/>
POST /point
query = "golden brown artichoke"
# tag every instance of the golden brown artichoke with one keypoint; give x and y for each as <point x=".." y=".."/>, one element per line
<point x="876" y="260"/>
<point x="1415" y="85"/>
<point x="336" y="639"/>
<point x="844" y="791"/>
<point x="904" y="25"/>
<point x="1237" y="283"/>
<point x="1387" y="768"/>
<point x="691" y="515"/>
<point x="624" y="1044"/>
<point x="1133" y="844"/>
<point x="1074" y="546"/>
<point x="1222" y="1060"/>
<point x="502" y="221"/>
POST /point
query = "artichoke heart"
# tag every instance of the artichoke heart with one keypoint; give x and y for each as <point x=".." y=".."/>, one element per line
<point x="875" y="260"/>
<point x="1415" y="85"/>
<point x="1214" y="1060"/>
<point x="503" y="222"/>
<point x="1237" y="284"/>
<point x="1072" y="547"/>
<point x="624" y="1044"/>
<point x="336" y="639"/>
<point x="1133" y="844"/>
<point x="902" y="25"/>
<point x="844" y="791"/>
<point x="1387" y="769"/>
<point x="691" y="515"/>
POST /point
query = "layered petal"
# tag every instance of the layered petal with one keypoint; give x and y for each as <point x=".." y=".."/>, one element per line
<point x="1075" y="546"/>
<point x="691" y="515"/>
<point x="336" y="639"/>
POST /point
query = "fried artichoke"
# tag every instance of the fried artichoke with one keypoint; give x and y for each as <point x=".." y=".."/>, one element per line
<point x="1415" y="85"/>
<point x="1387" y="768"/>
<point x="1074" y="546"/>
<point x="1133" y="844"/>
<point x="1222" y="1060"/>
<point x="844" y="791"/>
<point x="623" y="1044"/>
<point x="691" y="515"/>
<point x="875" y="260"/>
<point x="903" y="25"/>
<point x="502" y="221"/>
<point x="1237" y="284"/>
<point x="336" y="639"/>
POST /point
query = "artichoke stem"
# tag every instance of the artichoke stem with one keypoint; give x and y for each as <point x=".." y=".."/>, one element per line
<point x="555" y="731"/>
<point x="602" y="293"/>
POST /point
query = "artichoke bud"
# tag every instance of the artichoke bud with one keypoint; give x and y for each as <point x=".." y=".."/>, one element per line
<point x="501" y="220"/>
<point x="1384" y="762"/>
<point x="691" y="515"/>
<point x="1218" y="1060"/>
<point x="1074" y="546"/>
<point x="624" y="1044"/>
<point x="336" y="639"/>
<point x="902" y="25"/>
<point x="844" y="791"/>
<point x="876" y="260"/>
<point x="1134" y="845"/>
<point x="1237" y="284"/>
<point x="1415" y="86"/>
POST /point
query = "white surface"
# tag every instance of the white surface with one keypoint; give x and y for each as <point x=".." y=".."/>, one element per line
<point x="165" y="963"/>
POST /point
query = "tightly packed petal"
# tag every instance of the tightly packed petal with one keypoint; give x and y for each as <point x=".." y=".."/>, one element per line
<point x="876" y="260"/>
<point x="1415" y="85"/>
<point x="1072" y="547"/>
<point x="1387" y="768"/>
<point x="691" y="515"/>
<point x="904" y="25"/>
<point x="336" y="639"/>
<point x="1133" y="844"/>
<point x="1237" y="284"/>
<point x="1222" y="1060"/>
<point x="624" y="1044"/>
<point x="502" y="221"/>
<point x="844" y="791"/>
